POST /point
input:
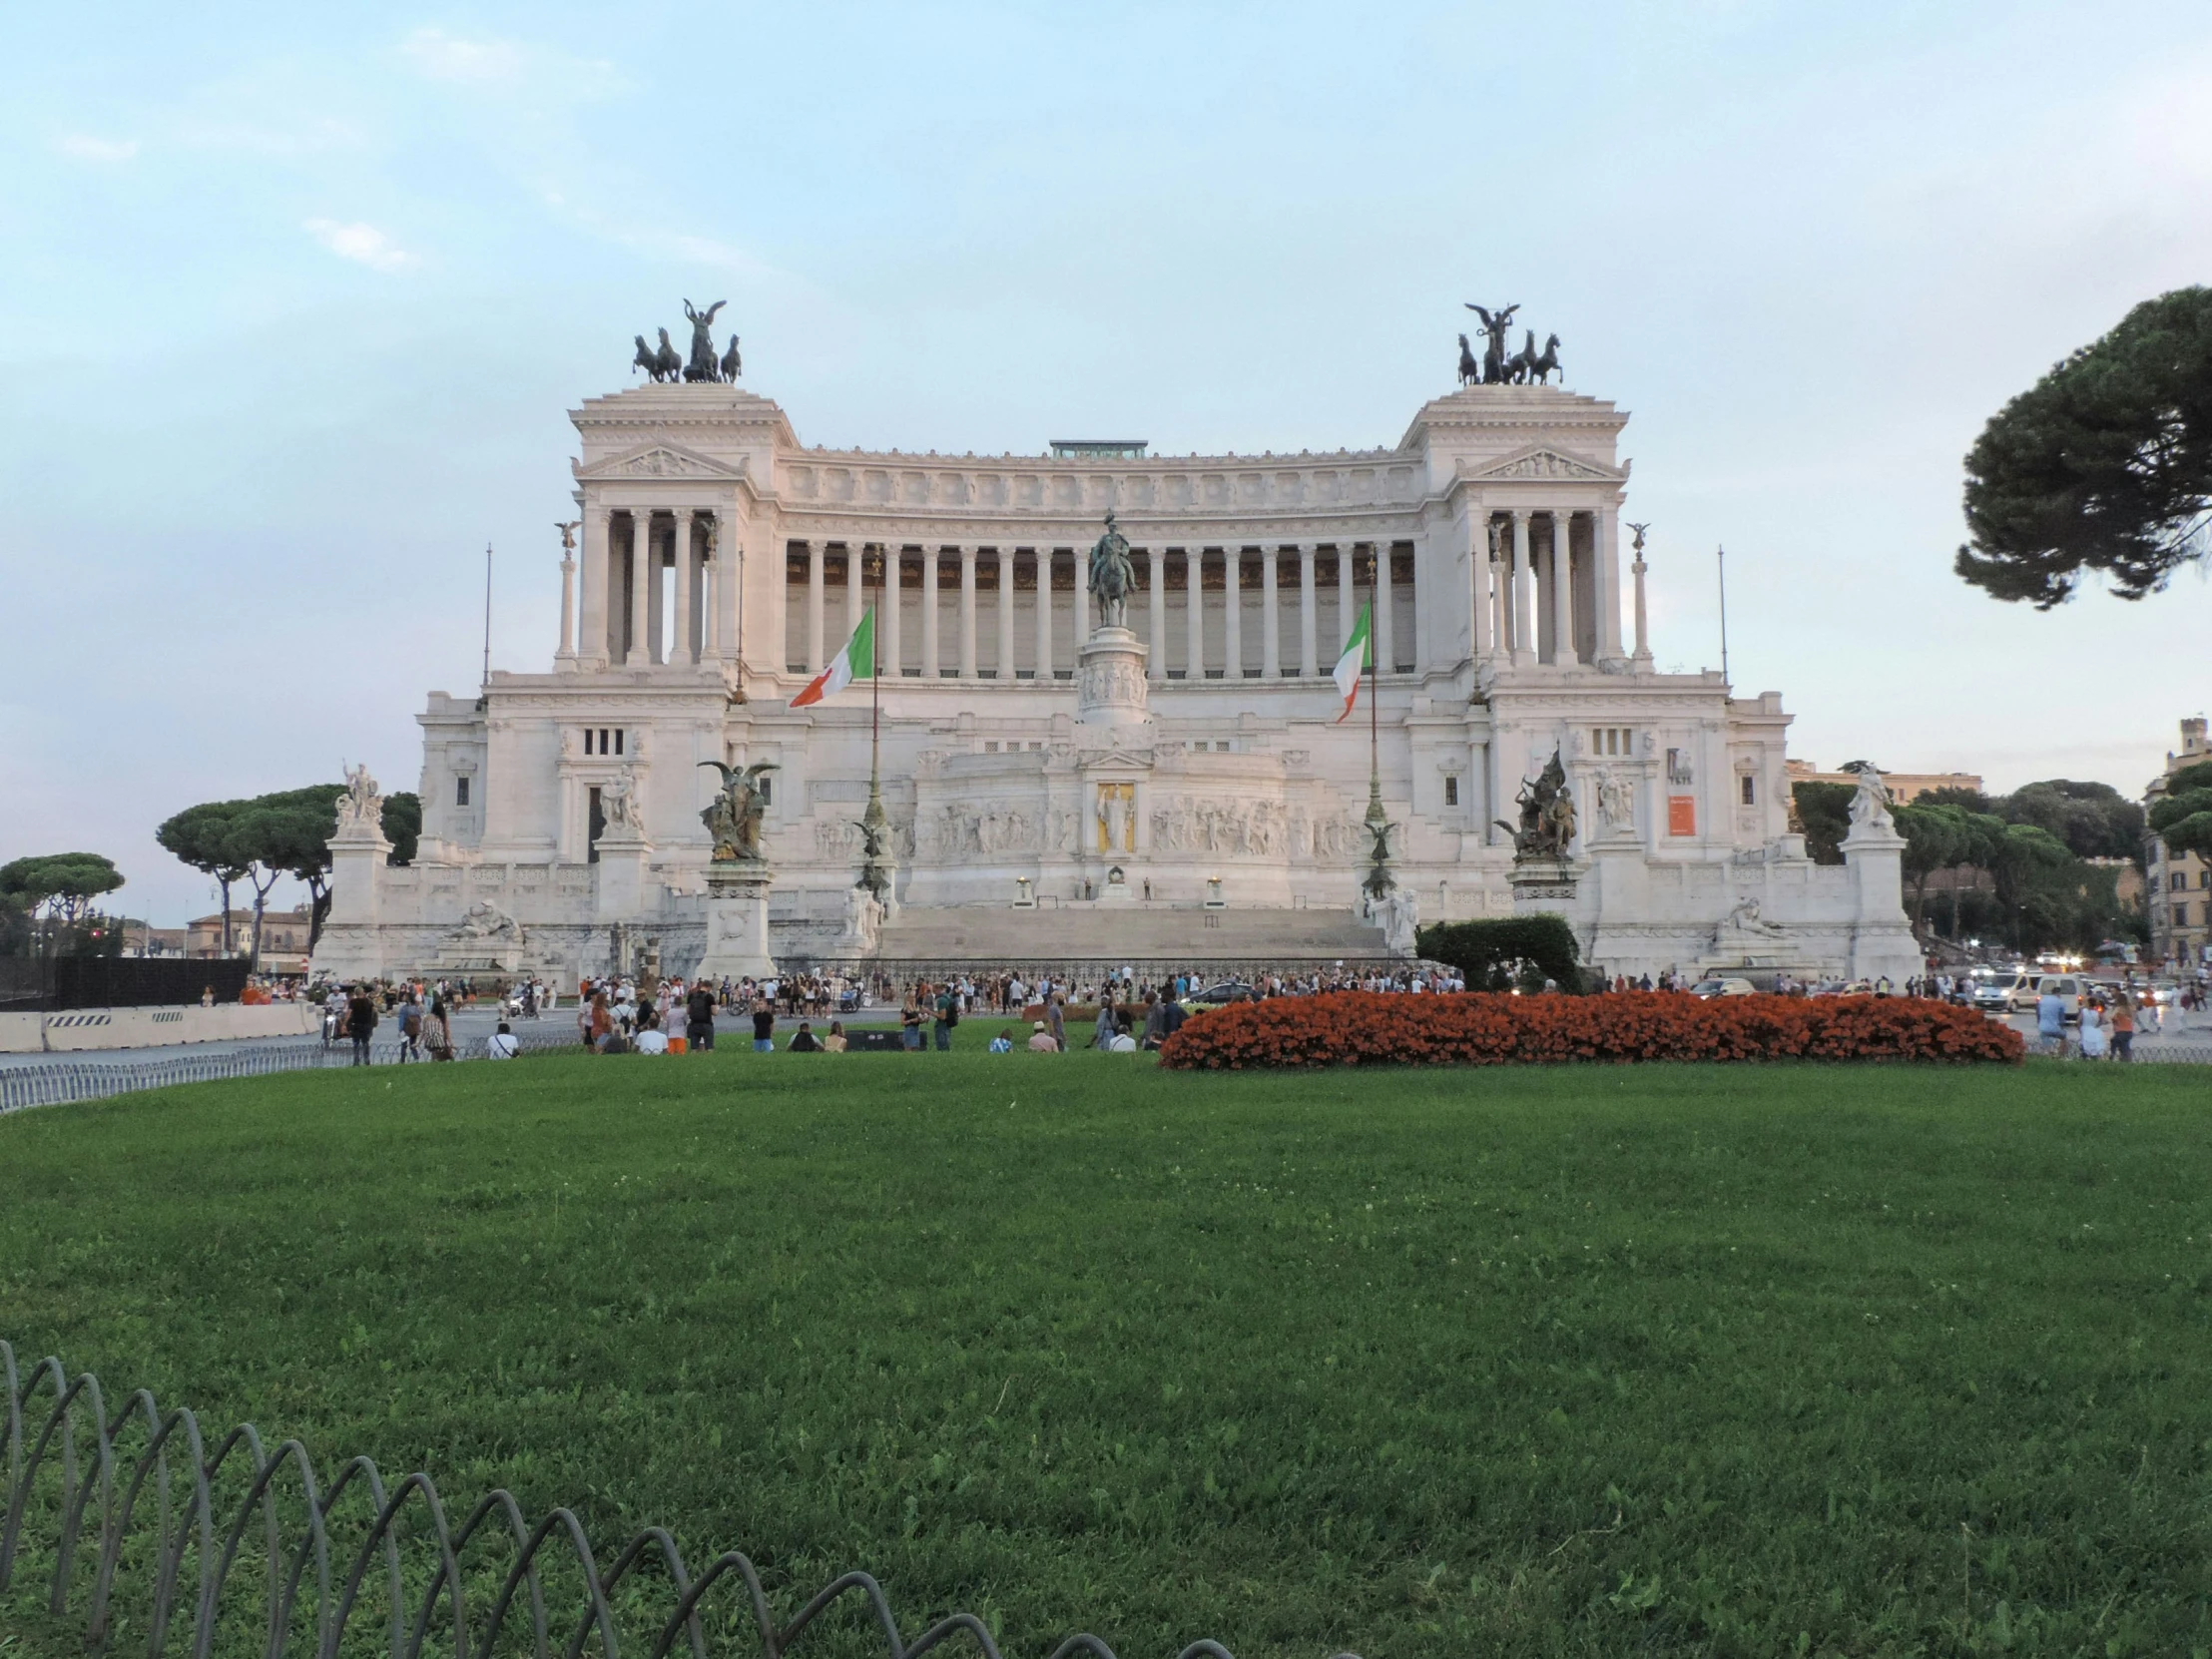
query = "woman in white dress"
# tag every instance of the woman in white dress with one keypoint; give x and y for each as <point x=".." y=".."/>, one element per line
<point x="2093" y="1043"/>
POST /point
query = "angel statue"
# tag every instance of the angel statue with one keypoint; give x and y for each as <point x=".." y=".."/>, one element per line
<point x="704" y="364"/>
<point x="734" y="816"/>
<point x="1494" y="325"/>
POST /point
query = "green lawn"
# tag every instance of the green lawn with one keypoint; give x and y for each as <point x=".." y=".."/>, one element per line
<point x="1561" y="1360"/>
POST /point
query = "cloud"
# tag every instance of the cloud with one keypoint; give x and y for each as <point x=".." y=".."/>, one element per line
<point x="445" y="57"/>
<point x="488" y="61"/>
<point x="363" y="244"/>
<point x="84" y="146"/>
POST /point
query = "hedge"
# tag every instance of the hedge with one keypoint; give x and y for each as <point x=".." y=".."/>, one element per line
<point x="1476" y="1028"/>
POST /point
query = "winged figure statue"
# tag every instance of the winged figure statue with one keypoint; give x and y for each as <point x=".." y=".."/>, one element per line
<point x="734" y="816"/>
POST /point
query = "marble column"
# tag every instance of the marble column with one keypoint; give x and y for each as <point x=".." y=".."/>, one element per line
<point x="1309" y="620"/>
<point x="1005" y="664"/>
<point x="563" y="659"/>
<point x="1348" y="608"/>
<point x="1563" y="591"/>
<point x="814" y="654"/>
<point x="594" y="641"/>
<point x="856" y="586"/>
<point x="727" y="554"/>
<point x="1386" y="613"/>
<point x="1043" y="556"/>
<point x="967" y="613"/>
<point x="1479" y="589"/>
<point x="644" y="585"/>
<point x="1232" y="599"/>
<point x="888" y="624"/>
<point x="1156" y="581"/>
<point x="1605" y="549"/>
<point x="1524" y="633"/>
<point x="679" y="549"/>
<point x="931" y="661"/>
<point x="1270" y="617"/>
<point x="1082" y="601"/>
<point x="1643" y="635"/>
<point x="1194" y="616"/>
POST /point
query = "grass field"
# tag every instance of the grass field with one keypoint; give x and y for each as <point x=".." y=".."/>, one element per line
<point x="1557" y="1360"/>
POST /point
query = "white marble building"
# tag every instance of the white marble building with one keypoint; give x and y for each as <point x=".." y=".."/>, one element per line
<point x="722" y="562"/>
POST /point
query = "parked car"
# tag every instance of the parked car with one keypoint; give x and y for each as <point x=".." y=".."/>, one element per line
<point x="1724" y="988"/>
<point x="1229" y="991"/>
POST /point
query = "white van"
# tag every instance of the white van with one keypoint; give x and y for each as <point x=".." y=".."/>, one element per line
<point x="2067" y="988"/>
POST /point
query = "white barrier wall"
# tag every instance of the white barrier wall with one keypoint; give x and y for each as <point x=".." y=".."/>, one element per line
<point x="85" y="1029"/>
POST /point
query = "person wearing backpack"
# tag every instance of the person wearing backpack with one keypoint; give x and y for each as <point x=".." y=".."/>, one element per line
<point x="949" y="1015"/>
<point x="410" y="1029"/>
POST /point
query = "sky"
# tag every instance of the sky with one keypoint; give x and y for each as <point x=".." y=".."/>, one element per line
<point x="295" y="302"/>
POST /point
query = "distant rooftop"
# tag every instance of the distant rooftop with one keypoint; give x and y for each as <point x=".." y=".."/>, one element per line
<point x="1118" y="449"/>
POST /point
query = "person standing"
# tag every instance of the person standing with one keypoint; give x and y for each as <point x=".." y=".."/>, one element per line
<point x="437" y="1031"/>
<point x="910" y="1018"/>
<point x="949" y="1015"/>
<point x="764" y="1025"/>
<point x="1055" y="1020"/>
<point x="2123" y="1026"/>
<point x="699" y="1017"/>
<point x="409" y="1019"/>
<point x="360" y="1022"/>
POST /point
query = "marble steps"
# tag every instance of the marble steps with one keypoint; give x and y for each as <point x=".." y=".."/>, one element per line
<point x="1101" y="932"/>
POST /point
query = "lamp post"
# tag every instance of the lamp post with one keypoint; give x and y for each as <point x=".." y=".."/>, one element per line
<point x="1379" y="879"/>
<point x="875" y="823"/>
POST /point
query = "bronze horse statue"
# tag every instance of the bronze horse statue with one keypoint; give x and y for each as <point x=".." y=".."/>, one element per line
<point x="1470" y="370"/>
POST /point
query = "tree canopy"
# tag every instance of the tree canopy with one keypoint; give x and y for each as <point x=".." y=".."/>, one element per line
<point x="56" y="889"/>
<point x="2182" y="817"/>
<point x="2096" y="821"/>
<point x="2104" y="465"/>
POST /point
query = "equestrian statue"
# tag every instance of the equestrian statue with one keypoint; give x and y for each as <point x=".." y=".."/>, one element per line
<point x="1113" y="576"/>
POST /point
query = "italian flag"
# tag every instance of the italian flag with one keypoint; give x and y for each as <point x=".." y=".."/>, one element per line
<point x="855" y="662"/>
<point x="1359" y="652"/>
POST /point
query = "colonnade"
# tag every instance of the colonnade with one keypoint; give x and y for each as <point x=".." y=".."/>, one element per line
<point x="1210" y="579"/>
<point x="627" y="618"/>
<point x="1544" y="593"/>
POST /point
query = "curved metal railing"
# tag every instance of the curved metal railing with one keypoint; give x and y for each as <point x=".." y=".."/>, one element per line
<point x="327" y="1564"/>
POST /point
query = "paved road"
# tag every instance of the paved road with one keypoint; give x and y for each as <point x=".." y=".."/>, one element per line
<point x="471" y="1027"/>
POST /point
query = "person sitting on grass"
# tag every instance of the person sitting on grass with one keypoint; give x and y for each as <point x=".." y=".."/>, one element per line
<point x="1041" y="1040"/>
<point x="1003" y="1043"/>
<point x="651" y="1039"/>
<point x="501" y="1045"/>
<point x="835" y="1042"/>
<point x="804" y="1040"/>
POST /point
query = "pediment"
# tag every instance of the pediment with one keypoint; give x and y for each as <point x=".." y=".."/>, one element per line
<point x="660" y="460"/>
<point x="1541" y="462"/>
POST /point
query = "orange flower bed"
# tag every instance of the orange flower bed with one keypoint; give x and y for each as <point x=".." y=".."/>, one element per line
<point x="1364" y="1029"/>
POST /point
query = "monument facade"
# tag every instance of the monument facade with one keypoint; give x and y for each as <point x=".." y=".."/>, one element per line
<point x="1104" y="692"/>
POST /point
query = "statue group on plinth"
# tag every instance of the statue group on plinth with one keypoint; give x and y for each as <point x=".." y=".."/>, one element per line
<point x="1546" y="827"/>
<point x="732" y="818"/>
<point x="664" y="365"/>
<point x="1501" y="368"/>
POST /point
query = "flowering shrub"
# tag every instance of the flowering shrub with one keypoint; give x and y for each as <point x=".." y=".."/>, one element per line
<point x="1363" y="1028"/>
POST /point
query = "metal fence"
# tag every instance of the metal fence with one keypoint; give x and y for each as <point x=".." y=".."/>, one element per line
<point x="340" y="1552"/>
<point x="2069" y="1048"/>
<point x="58" y="1082"/>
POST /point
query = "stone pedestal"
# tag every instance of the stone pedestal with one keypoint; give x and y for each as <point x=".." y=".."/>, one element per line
<point x="737" y="922"/>
<point x="1110" y="680"/>
<point x="1117" y="889"/>
<point x="1542" y="887"/>
<point x="622" y="877"/>
<point x="1882" y="942"/>
<point x="351" y="946"/>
